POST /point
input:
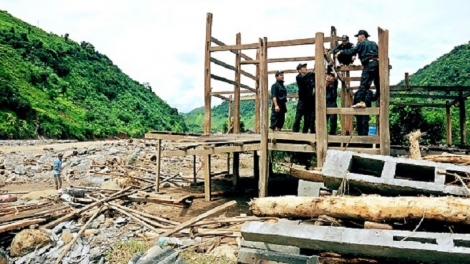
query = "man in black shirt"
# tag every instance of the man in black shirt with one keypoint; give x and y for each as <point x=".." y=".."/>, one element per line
<point x="306" y="104"/>
<point x="369" y="55"/>
<point x="331" y="96"/>
<point x="345" y="59"/>
<point x="279" y="97"/>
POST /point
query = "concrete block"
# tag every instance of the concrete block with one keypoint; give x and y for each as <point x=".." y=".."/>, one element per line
<point x="271" y="247"/>
<point x="418" y="246"/>
<point x="251" y="255"/>
<point x="390" y="176"/>
<point x="308" y="188"/>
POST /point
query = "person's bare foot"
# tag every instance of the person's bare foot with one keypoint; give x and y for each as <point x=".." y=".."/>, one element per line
<point x="359" y="105"/>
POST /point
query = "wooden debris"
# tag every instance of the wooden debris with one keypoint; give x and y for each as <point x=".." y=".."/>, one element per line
<point x="415" y="152"/>
<point x="449" y="158"/>
<point x="21" y="224"/>
<point x="308" y="175"/>
<point x="374" y="225"/>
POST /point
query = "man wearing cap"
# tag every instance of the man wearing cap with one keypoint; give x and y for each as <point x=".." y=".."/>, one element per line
<point x="331" y="96"/>
<point x="369" y="55"/>
<point x="279" y="97"/>
<point x="306" y="104"/>
<point x="345" y="59"/>
<point x="57" y="170"/>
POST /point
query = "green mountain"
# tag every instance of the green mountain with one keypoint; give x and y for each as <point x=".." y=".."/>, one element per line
<point x="58" y="88"/>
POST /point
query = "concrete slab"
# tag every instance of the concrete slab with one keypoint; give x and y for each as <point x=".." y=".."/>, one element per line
<point x="271" y="247"/>
<point x="418" y="246"/>
<point x="390" y="176"/>
<point x="308" y="188"/>
<point x="251" y="255"/>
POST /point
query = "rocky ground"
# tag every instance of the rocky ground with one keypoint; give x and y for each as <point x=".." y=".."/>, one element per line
<point x="25" y="171"/>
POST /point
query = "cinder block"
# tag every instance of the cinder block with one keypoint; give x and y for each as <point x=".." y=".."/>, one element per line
<point x="251" y="255"/>
<point x="307" y="188"/>
<point x="271" y="247"/>
<point x="417" y="246"/>
<point x="390" y="176"/>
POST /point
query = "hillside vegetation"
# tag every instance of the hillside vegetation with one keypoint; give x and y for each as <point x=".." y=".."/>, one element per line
<point x="57" y="88"/>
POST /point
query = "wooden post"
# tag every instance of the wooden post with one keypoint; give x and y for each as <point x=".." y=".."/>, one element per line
<point x="159" y="158"/>
<point x="230" y="108"/>
<point x="207" y="76"/>
<point x="236" y="103"/>
<point x="463" y="121"/>
<point x="263" y="165"/>
<point x="320" y="100"/>
<point x="448" y="126"/>
<point x="256" y="166"/>
<point x="194" y="169"/>
<point x="407" y="80"/>
<point x="346" y="101"/>
<point x="236" y="169"/>
<point x="384" y="131"/>
<point x="207" y="177"/>
<point x="257" y="101"/>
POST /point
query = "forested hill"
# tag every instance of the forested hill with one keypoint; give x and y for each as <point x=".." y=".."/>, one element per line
<point x="57" y="88"/>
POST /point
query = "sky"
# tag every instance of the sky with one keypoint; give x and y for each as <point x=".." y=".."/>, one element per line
<point x="162" y="42"/>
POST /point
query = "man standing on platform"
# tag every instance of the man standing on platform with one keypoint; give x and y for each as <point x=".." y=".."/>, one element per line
<point x="331" y="96"/>
<point x="369" y="55"/>
<point x="306" y="104"/>
<point x="279" y="97"/>
<point x="344" y="59"/>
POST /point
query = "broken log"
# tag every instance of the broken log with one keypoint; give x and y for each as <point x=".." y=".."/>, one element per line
<point x="449" y="158"/>
<point x="199" y="218"/>
<point x="21" y="224"/>
<point x="367" y="208"/>
<point x="374" y="225"/>
<point x="413" y="138"/>
<point x="308" y="175"/>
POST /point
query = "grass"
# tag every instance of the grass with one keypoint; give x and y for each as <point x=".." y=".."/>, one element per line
<point x="123" y="251"/>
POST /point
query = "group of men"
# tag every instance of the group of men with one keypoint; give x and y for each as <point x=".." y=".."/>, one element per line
<point x="346" y="54"/>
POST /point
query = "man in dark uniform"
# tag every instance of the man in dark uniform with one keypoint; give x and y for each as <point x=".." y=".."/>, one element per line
<point x="306" y="104"/>
<point x="279" y="97"/>
<point x="369" y="55"/>
<point x="345" y="59"/>
<point x="331" y="96"/>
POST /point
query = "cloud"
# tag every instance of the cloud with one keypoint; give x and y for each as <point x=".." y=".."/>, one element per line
<point x="162" y="42"/>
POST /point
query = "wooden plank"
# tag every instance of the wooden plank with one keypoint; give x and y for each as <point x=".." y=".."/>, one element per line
<point x="222" y="79"/>
<point x="159" y="159"/>
<point x="207" y="177"/>
<point x="250" y="62"/>
<point x="289" y="147"/>
<point x="220" y="43"/>
<point x="359" y="150"/>
<point x="207" y="76"/>
<point x="448" y="126"/>
<point x="257" y="102"/>
<point x="222" y="97"/>
<point x="418" y="104"/>
<point x="235" y="47"/>
<point x="292" y="136"/>
<point x="288" y="71"/>
<point x="352" y="79"/>
<point x="350" y="68"/>
<point x="198" y="218"/>
<point x="295" y="42"/>
<point x="21" y="224"/>
<point x="229" y="121"/>
<point x="384" y="131"/>
<point x="214" y="150"/>
<point x="346" y="102"/>
<point x="236" y="97"/>
<point x="307" y="58"/>
<point x="264" y="126"/>
<point x="352" y="111"/>
<point x="231" y="92"/>
<point x="320" y="99"/>
<point x="462" y="122"/>
<point x="354" y="139"/>
<point x="308" y="175"/>
<point x="223" y="64"/>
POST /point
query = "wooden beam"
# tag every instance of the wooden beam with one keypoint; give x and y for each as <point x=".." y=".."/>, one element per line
<point x="352" y="111"/>
<point x="236" y="96"/>
<point x="407" y="80"/>
<point x="264" y="165"/>
<point x="308" y="175"/>
<point x="461" y="95"/>
<point x="422" y="96"/>
<point x="250" y="62"/>
<point x="307" y="58"/>
<point x="448" y="126"/>
<point x="220" y="43"/>
<point x="159" y="159"/>
<point x="375" y="151"/>
<point x="221" y="97"/>
<point x="320" y="100"/>
<point x="430" y="88"/>
<point x="384" y="131"/>
<point x="207" y="177"/>
<point x="354" y="139"/>
<point x="236" y="170"/>
<point x="292" y="136"/>
<point x="214" y="150"/>
<point x="257" y="102"/>
<point x="230" y="92"/>
<point x="352" y="79"/>
<point x="223" y="64"/>
<point x="418" y="104"/>
<point x="207" y="76"/>
<point x="292" y="147"/>
<point x="229" y="121"/>
<point x="463" y="121"/>
<point x="350" y="68"/>
<point x="295" y="42"/>
<point x="235" y="47"/>
<point x="222" y="79"/>
<point x="288" y="71"/>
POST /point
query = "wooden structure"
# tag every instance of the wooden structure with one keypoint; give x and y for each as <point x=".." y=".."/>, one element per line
<point x="263" y="141"/>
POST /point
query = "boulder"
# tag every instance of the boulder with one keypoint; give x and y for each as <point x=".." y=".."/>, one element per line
<point x="113" y="151"/>
<point x="224" y="251"/>
<point x="67" y="236"/>
<point x="27" y="241"/>
<point x="20" y="169"/>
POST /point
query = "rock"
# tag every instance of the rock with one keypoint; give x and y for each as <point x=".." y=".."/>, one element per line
<point x="27" y="241"/>
<point x="110" y="185"/>
<point x="67" y="236"/>
<point x="224" y="250"/>
<point x="113" y="151"/>
<point x="82" y="151"/>
<point x="20" y="169"/>
<point x="91" y="232"/>
<point x="37" y="195"/>
<point x="97" y="222"/>
<point x="95" y="254"/>
<point x="166" y="185"/>
<point x="90" y="181"/>
<point x="2" y="181"/>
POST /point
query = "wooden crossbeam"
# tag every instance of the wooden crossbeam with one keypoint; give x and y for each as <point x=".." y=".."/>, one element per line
<point x="418" y="104"/>
<point x="352" y="79"/>
<point x="308" y="58"/>
<point x="353" y="111"/>
<point x="222" y="79"/>
<point x="464" y="97"/>
<point x="287" y="71"/>
<point x="235" y="47"/>
<point x="249" y="62"/>
<point x="430" y="88"/>
<point x="220" y="43"/>
<point x="231" y="92"/>
<point x="230" y="67"/>
<point x="221" y="97"/>
<point x="354" y="139"/>
<point x="423" y="96"/>
<point x="296" y="42"/>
